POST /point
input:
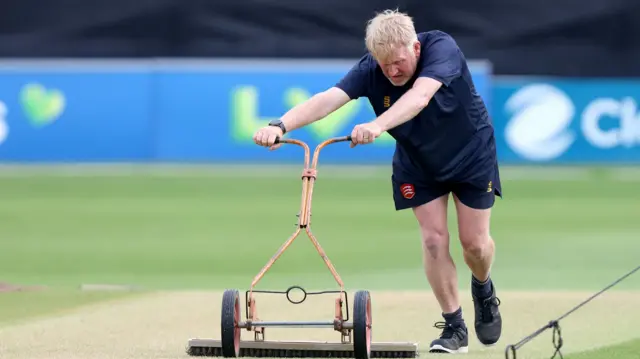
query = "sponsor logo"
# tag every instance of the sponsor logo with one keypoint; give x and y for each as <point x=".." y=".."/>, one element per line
<point x="539" y="125"/>
<point x="41" y="106"/>
<point x="247" y="107"/>
<point x="626" y="134"/>
<point x="541" y="118"/>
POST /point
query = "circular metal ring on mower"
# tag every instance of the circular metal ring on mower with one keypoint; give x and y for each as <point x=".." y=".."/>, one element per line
<point x="296" y="287"/>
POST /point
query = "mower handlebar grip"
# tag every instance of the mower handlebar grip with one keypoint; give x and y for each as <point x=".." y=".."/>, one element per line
<point x="337" y="139"/>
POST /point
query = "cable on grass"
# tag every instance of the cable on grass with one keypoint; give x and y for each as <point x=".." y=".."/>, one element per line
<point x="555" y="324"/>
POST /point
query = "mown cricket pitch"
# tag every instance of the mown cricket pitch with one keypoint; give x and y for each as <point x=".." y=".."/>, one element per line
<point x="158" y="325"/>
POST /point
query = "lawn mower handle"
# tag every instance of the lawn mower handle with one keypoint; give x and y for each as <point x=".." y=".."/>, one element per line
<point x="335" y="139"/>
<point x="309" y="175"/>
<point x="317" y="150"/>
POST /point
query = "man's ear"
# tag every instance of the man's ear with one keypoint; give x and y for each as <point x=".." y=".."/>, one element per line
<point x="416" y="48"/>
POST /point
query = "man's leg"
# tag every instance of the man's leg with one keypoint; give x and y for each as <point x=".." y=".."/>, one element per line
<point x="477" y="244"/>
<point x="429" y="204"/>
<point x="438" y="264"/>
<point x="473" y="203"/>
<point x="441" y="274"/>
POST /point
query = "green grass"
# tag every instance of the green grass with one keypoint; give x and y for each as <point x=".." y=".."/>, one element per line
<point x="217" y="229"/>
<point x="19" y="306"/>
<point x="626" y="350"/>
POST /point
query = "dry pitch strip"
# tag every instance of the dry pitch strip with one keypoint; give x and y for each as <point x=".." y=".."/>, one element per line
<point x="355" y="336"/>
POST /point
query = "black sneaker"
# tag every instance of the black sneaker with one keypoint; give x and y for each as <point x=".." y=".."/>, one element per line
<point x="488" y="321"/>
<point x="454" y="339"/>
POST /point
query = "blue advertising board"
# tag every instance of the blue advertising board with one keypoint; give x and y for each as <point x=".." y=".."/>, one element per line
<point x="577" y="121"/>
<point x="60" y="115"/>
<point x="174" y="110"/>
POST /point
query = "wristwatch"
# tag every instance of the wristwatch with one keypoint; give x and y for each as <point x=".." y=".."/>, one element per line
<point x="278" y="123"/>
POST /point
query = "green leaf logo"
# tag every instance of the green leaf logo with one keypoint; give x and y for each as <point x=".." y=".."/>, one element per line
<point x="42" y="106"/>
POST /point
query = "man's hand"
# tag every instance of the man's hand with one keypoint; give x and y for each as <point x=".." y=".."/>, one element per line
<point x="267" y="135"/>
<point x="365" y="133"/>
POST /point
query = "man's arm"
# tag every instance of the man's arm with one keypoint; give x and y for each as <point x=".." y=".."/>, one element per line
<point x="410" y="104"/>
<point x="442" y="64"/>
<point x="317" y="107"/>
<point x="352" y="86"/>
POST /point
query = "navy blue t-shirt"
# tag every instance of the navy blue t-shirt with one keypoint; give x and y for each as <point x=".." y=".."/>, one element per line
<point x="450" y="131"/>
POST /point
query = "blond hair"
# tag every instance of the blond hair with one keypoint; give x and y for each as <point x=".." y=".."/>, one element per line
<point x="388" y="30"/>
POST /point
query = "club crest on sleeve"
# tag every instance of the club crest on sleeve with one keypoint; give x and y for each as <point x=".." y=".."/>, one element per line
<point x="407" y="190"/>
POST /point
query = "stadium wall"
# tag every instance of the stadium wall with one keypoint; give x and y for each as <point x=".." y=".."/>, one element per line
<point x="571" y="38"/>
<point x="207" y="111"/>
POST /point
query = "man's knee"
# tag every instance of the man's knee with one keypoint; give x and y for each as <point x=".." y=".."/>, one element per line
<point x="432" y="218"/>
<point x="477" y="244"/>
<point x="474" y="227"/>
<point x="435" y="241"/>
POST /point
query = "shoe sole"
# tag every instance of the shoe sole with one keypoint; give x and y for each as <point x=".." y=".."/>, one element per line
<point x="489" y="344"/>
<point x="440" y="349"/>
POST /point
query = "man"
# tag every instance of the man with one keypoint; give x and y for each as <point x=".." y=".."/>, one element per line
<point x="422" y="92"/>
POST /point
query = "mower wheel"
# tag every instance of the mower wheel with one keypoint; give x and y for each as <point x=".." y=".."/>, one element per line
<point x="362" y="325"/>
<point x="230" y="331"/>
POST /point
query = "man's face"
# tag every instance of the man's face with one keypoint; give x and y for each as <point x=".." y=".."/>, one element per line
<point x="400" y="66"/>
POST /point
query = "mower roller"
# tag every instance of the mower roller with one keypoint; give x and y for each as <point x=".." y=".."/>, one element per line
<point x="355" y="336"/>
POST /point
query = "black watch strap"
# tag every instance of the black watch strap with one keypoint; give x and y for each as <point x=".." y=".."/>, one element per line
<point x="278" y="123"/>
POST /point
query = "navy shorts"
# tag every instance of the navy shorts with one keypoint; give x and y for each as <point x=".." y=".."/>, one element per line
<point x="476" y="185"/>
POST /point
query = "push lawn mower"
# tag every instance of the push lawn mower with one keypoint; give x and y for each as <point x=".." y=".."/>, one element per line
<point x="355" y="335"/>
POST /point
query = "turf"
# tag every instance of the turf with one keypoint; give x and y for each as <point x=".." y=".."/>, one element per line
<point x="560" y="236"/>
<point x="17" y="307"/>
<point x="626" y="350"/>
<point x="219" y="228"/>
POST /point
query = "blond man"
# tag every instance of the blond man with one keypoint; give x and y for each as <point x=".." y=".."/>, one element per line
<point x="423" y="95"/>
